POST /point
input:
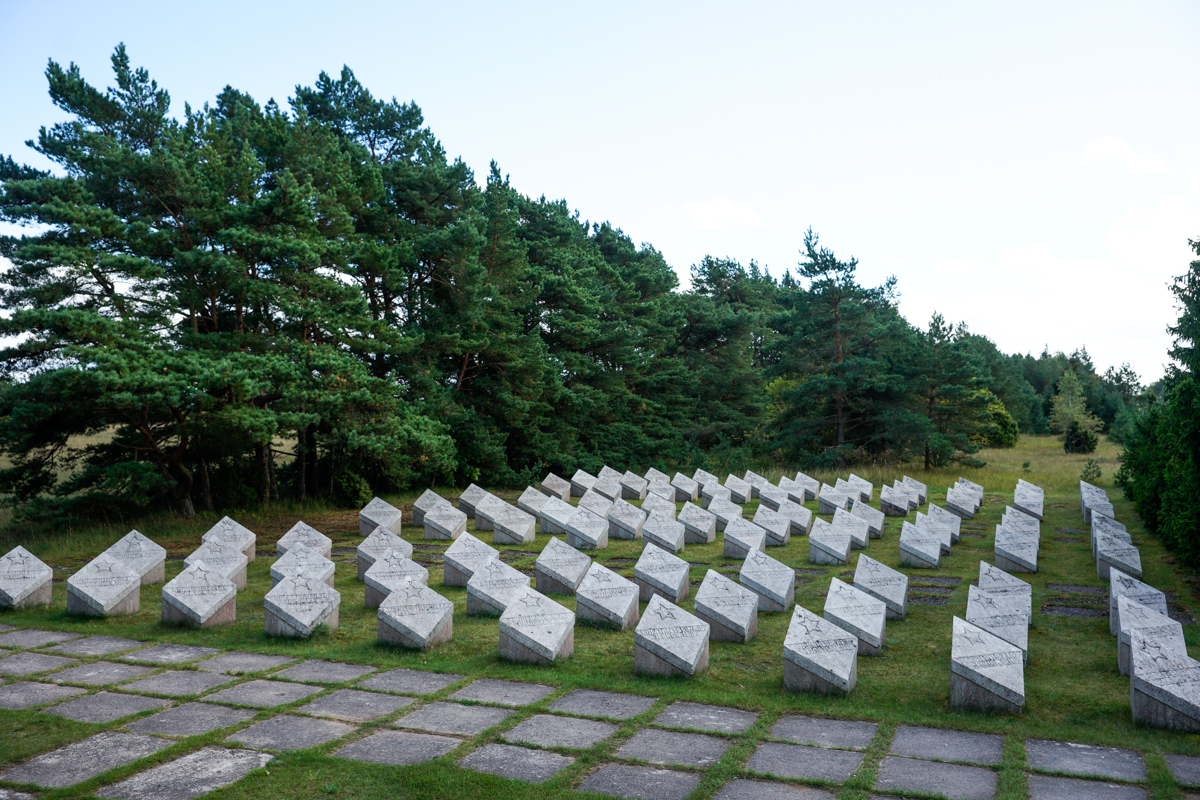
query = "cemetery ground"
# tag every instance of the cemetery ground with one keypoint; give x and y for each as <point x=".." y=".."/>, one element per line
<point x="1073" y="690"/>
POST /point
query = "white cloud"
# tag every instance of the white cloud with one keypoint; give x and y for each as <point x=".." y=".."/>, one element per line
<point x="724" y="213"/>
<point x="1155" y="240"/>
<point x="1113" y="148"/>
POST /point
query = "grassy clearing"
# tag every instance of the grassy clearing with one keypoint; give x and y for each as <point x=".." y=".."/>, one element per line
<point x="1073" y="689"/>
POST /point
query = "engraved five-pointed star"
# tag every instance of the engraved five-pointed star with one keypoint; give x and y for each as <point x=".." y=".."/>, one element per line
<point x="810" y="625"/>
<point x="493" y="567"/>
<point x="602" y="577"/>
<point x="530" y="601"/>
<point x="20" y="560"/>
<point x="1139" y="613"/>
<point x="105" y="565"/>
<point x="1126" y="582"/>
<point x="664" y="613"/>
<point x="870" y="566"/>
<point x="202" y="573"/>
<point x="988" y="602"/>
<point x="412" y="590"/>
<point x="394" y="559"/>
<point x="974" y="637"/>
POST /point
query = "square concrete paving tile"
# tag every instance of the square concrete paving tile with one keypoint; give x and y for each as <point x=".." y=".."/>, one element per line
<point x="718" y="719"/>
<point x="317" y="671"/>
<point x="929" y="777"/>
<point x="29" y="663"/>
<point x="178" y="683"/>
<point x="502" y="693"/>
<point x="845" y="734"/>
<point x="95" y="646"/>
<point x="742" y="789"/>
<point x="1082" y="759"/>
<point x="1043" y="787"/>
<point x="399" y="748"/>
<point x="31" y="637"/>
<point x="26" y="694"/>
<point x="641" y="783"/>
<point x="100" y="673"/>
<point x="12" y="794"/>
<point x="669" y="747"/>
<point x="355" y="706"/>
<point x="237" y="663"/>
<point x="286" y="732"/>
<point x="802" y="761"/>
<point x="4" y="627"/>
<point x="191" y="719"/>
<point x="547" y="730"/>
<point x="189" y="776"/>
<point x="410" y="681"/>
<point x="947" y="745"/>
<point x="262" y="694"/>
<point x="104" y="707"/>
<point x="610" y="705"/>
<point x="86" y="759"/>
<point x="517" y="763"/>
<point x="1186" y="769"/>
<point x="453" y="718"/>
<point x="170" y="654"/>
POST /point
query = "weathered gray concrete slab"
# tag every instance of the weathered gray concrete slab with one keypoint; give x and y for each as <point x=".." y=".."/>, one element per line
<point x="516" y="763"/>
<point x="444" y="522"/>
<point x="464" y="558"/>
<point x="1043" y="787"/>
<point x="818" y="656"/>
<point x="410" y="681"/>
<point x="777" y="527"/>
<point x="664" y="532"/>
<point x="179" y="683"/>
<point x="301" y="561"/>
<point x="31" y="637"/>
<point x="189" y="776"/>
<point x="828" y="545"/>
<point x="587" y="531"/>
<point x="705" y="717"/>
<point x="493" y="587"/>
<point x="548" y="730"/>
<point x="307" y="535"/>
<point x="554" y="486"/>
<point x="191" y="719"/>
<point x="201" y="596"/>
<point x="398" y="748"/>
<point x="239" y="663"/>
<point x="170" y="653"/>
<point x="560" y="568"/>
<point x="416" y="617"/>
<point x="95" y="646"/>
<point x="859" y="613"/>
<point x="502" y="693"/>
<point x="842" y="734"/>
<point x="86" y="759"/>
<point x="659" y="504"/>
<point x="297" y="606"/>
<point x="930" y="777"/>
<point x="391" y="572"/>
<point x="536" y="630"/>
<point x="1122" y="585"/>
<point x="429" y="499"/>
<point x="99" y="673"/>
<point x="641" y="783"/>
<point x="1002" y="615"/>
<point x="27" y="694"/>
<point x="700" y="527"/>
<point x="141" y="555"/>
<point x="512" y="525"/>
<point x="454" y="718"/>
<point x="29" y="663"/>
<point x="743" y="789"/>
<point x="986" y="672"/>
<point x="1186" y="769"/>
<point x="288" y="732"/>
<point x="318" y="671"/>
<point x="672" y="748"/>
<point x="1081" y="759"/>
<point x="580" y="482"/>
<point x="947" y="745"/>
<point x="774" y="582"/>
<point x="670" y="641"/>
<point x="353" y="705"/>
<point x="262" y="694"/>
<point x="658" y="572"/>
<point x="104" y="707"/>
<point x="625" y="521"/>
<point x="606" y="597"/>
<point x="742" y="536"/>
<point x="883" y="583"/>
<point x="379" y="541"/>
<point x="228" y="531"/>
<point x="104" y="587"/>
<point x="730" y="610"/>
<point x="800" y="761"/>
<point x="224" y="559"/>
<point x="609" y="705"/>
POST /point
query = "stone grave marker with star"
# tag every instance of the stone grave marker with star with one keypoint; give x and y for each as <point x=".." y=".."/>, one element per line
<point x="464" y="558"/>
<point x="415" y="616"/>
<point x="669" y="641"/>
<point x="225" y="559"/>
<point x="536" y="630"/>
<point x="952" y="521"/>
<point x="429" y="499"/>
<point x="731" y="610"/>
<point x="884" y="584"/>
<point x="228" y="531"/>
<point x="740" y="492"/>
<point x="700" y="526"/>
<point x="828" y="545"/>
<point x="773" y="582"/>
<point x="493" y="587"/>
<point x="1164" y="687"/>
<point x="859" y="613"/>
<point x="378" y="542"/>
<point x="296" y="606"/>
<point x="741" y="537"/>
<point x="302" y="560"/>
<point x="605" y="597"/>
<point x="307" y="535"/>
<point x="25" y="582"/>
<point x="986" y="672"/>
<point x="560" y="568"/>
<point x="659" y="504"/>
<point x="581" y="481"/>
<point x="686" y="489"/>
<point x="662" y="531"/>
<point x="554" y="486"/>
<point x="392" y="570"/>
<point x="872" y="516"/>
<point x="818" y="656"/>
<point x="1122" y="585"/>
<point x="777" y="527"/>
<point x="937" y="528"/>
<point x="1164" y="632"/>
<point x="724" y="511"/>
<point x="444" y="523"/>
<point x="1002" y="615"/>
<point x="633" y="487"/>
<point x="486" y="510"/>
<point x="659" y="573"/>
<point x="470" y="497"/>
<point x="200" y="596"/>
<point x="141" y="555"/>
<point x="625" y="521"/>
<point x="892" y="502"/>
<point x="587" y="531"/>
<point x="1117" y="554"/>
<point x="1015" y="551"/>
<point x="996" y="581"/>
<point x="858" y="529"/>
<point x="918" y="548"/>
<point x="104" y="587"/>
<point x="379" y="514"/>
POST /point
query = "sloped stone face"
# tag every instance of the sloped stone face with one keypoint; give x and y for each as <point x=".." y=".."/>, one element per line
<point x="296" y="606"/>
<point x="444" y="523"/>
<point x="777" y="527"/>
<point x="1016" y="552"/>
<point x="416" y="617"/>
<point x="658" y="573"/>
<point x="486" y="510"/>
<point x="801" y="518"/>
<point x="224" y="559"/>
<point x="302" y="561"/>
<point x="493" y="587"/>
<point x="24" y="580"/>
<point x="818" y="656"/>
<point x="229" y="532"/>
<point x="554" y="515"/>
<point x="919" y="549"/>
<point x="606" y="597"/>
<point x="580" y="482"/>
<point x="587" y="531"/>
<point x="470" y="498"/>
<point x="560" y="568"/>
<point x="379" y="541"/>
<point x="828" y="545"/>
<point x="633" y="487"/>
<point x="725" y="511"/>
<point x="535" y="629"/>
<point x="670" y="641"/>
<point x="740" y="492"/>
<point x="893" y="503"/>
<point x="872" y="516"/>
<point x="859" y="613"/>
<point x="625" y="521"/>
<point x="596" y="503"/>
<point x="743" y="536"/>
<point x="379" y="514"/>
<point x="310" y="537"/>
<point x="772" y="581"/>
<point x="944" y="517"/>
<point x="554" y="486"/>
<point x="200" y="595"/>
<point x="103" y="587"/>
<point x="686" y="489"/>
<point x="884" y="584"/>
<point x="1158" y="629"/>
<point x="730" y="610"/>
<point x="531" y="501"/>
<point x="511" y="525"/>
<point x="391" y="571"/>
<point x="987" y="673"/>
<point x="1115" y="553"/>
<point x="141" y="555"/>
<point x="1002" y="615"/>
<point x="1164" y="688"/>
<point x="1122" y="585"/>
<point x="429" y="499"/>
<point x="664" y="532"/>
<point x="858" y="529"/>
<point x="700" y="527"/>
<point x="464" y="558"/>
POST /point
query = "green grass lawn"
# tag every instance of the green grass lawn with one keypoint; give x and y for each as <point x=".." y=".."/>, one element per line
<point x="1073" y="689"/>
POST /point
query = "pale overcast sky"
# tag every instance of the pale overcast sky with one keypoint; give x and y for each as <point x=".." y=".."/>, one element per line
<point x="1029" y="168"/>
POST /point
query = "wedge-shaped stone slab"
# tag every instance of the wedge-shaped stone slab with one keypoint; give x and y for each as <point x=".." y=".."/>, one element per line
<point x="756" y="482"/>
<point x="1019" y="520"/>
<point x="301" y="561"/>
<point x="659" y="573"/>
<point x="486" y="510"/>
<point x="29" y="663"/>
<point x="872" y="516"/>
<point x="633" y="487"/>
<point x="953" y="521"/>
<point x="454" y="718"/>
<point x="190" y="776"/>
<point x="960" y="503"/>
<point x="608" y="486"/>
<point x="859" y="530"/>
<point x="554" y="486"/>
<point x="536" y="630"/>
<point x="305" y="534"/>
<point x="811" y="485"/>
<point x="1151" y="625"/>
<point x="773" y="581"/>
<point x="511" y="525"/>
<point x="170" y="654"/>
<point x="986" y="672"/>
<point x="801" y="518"/>
<point x="670" y="641"/>
<point x="178" y="683"/>
<point x="470" y="498"/>
<point x="379" y="541"/>
<point x="1116" y="554"/>
<point x="1015" y="552"/>
<point x="609" y="705"/>
<point x="866" y="489"/>
<point x="1002" y="615"/>
<point x="548" y="730"/>
<point x="104" y="707"/>
<point x="818" y="656"/>
<point x="288" y="732"/>
<point x="587" y="531"/>
<point x="771" y="496"/>
<point x="191" y="719"/>
<point x="390" y="572"/>
<point x="531" y="501"/>
<point x="444" y="523"/>
<point x="1121" y="585"/>
<point x="379" y="514"/>
<point x="415" y="616"/>
<point x="974" y="488"/>
<point x="297" y="606"/>
<point x="777" y="527"/>
<point x="229" y="532"/>
<point x="354" y="705"/>
<point x="828" y="545"/>
<point x="560" y="568"/>
<point x="884" y="584"/>
<point x="730" y="610"/>
<point x="654" y="475"/>
<point x="104" y="587"/>
<point x="893" y="503"/>
<point x="641" y="783"/>
<point x="429" y="499"/>
<point x="595" y="502"/>
<point x="580" y="482"/>
<point x="553" y="517"/>
<point x="937" y="529"/>
<point x="659" y="504"/>
<point x="739" y="491"/>
<point x="83" y="760"/>
<point x="796" y="492"/>
<point x="830" y="499"/>
<point x="225" y="560"/>
<point x="661" y="487"/>
<point x="25" y="582"/>
<point x="493" y="587"/>
<point x="464" y="558"/>
<point x="606" y="597"/>
<point x="686" y="489"/>
<point x="200" y="596"/>
<point x="742" y="536"/>
<point x="913" y="498"/>
<point x="625" y="521"/>
<point x="996" y="581"/>
<point x="859" y="613"/>
<point x="725" y="511"/>
<point x="410" y="681"/>
<point x="26" y="694"/>
<point x="700" y="526"/>
<point x="713" y="492"/>
<point x="1164" y="689"/>
<point x="96" y="646"/>
<point x="918" y="548"/>
<point x="664" y="532"/>
<point x="141" y="555"/>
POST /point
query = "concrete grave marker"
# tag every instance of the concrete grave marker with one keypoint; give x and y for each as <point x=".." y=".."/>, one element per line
<point x="921" y="489"/>
<point x="663" y="489"/>
<point x="686" y="489"/>
<point x="1104" y="526"/>
<point x="714" y="491"/>
<point x="740" y="491"/>
<point x="830" y="499"/>
<point x="730" y="610"/>
<point x="429" y="499"/>
<point x="486" y="510"/>
<point x="378" y="542"/>
<point x="1164" y="688"/>
<point x="444" y="523"/>
<point x="416" y="617"/>
<point x="608" y="473"/>
<point x="596" y="503"/>
<point x="996" y="581"/>
<point x="25" y="582"/>
<point x="580" y="482"/>
<point x="301" y="561"/>
<point x="938" y="529"/>
<point x="464" y="558"/>
<point x="858" y="529"/>
<point x="884" y="584"/>
<point x="872" y="516"/>
<point x="1165" y="633"/>
<point x="800" y="517"/>
<point x="658" y="572"/>
<point x="1029" y="499"/>
<point x="859" y="613"/>
<point x="296" y="606"/>
<point x="918" y="548"/>
<point x="657" y="504"/>
<point x="625" y="521"/>
<point x="847" y="489"/>
<point x="700" y="526"/>
<point x="587" y="531"/>
<point x="724" y="511"/>
<point x="938" y="514"/>
<point x="893" y="503"/>
<point x="772" y="581"/>
<point x="310" y="537"/>
<point x="770" y="497"/>
<point x="1122" y="585"/>
<point x="986" y="672"/>
<point x="554" y="515"/>
<point x="200" y="596"/>
<point x="828" y="545"/>
<point x="608" y="486"/>
<point x="141" y="555"/>
<point x="1015" y="552"/>
<point x="811" y="486"/>
<point x="633" y="487"/>
<point x="606" y="597"/>
<point x="391" y="571"/>
<point x="866" y="489"/>
<point x="379" y="514"/>
<point x="741" y="537"/>
<point x="224" y="559"/>
<point x="818" y="656"/>
<point x="1018" y="520"/>
<point x="960" y="502"/>
<point x="1001" y="615"/>
<point x="104" y="587"/>
<point x="536" y="630"/>
<point x="974" y="488"/>
<point x="1115" y="553"/>
<point x="777" y="527"/>
<point x="229" y="532"/>
<point x="471" y="497"/>
<point x="909" y="492"/>
<point x="555" y="486"/>
<point x="560" y="568"/>
<point x="664" y="532"/>
<point x="531" y="501"/>
<point x="670" y="641"/>
<point x="511" y="525"/>
<point x="493" y="587"/>
<point x="756" y="482"/>
<point x="656" y="476"/>
<point x="705" y="478"/>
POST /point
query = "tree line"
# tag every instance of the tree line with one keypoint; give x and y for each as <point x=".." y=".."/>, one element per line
<point x="255" y="302"/>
